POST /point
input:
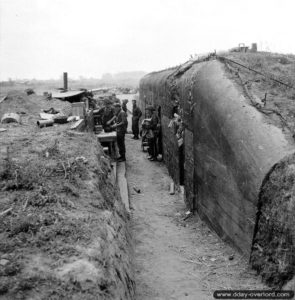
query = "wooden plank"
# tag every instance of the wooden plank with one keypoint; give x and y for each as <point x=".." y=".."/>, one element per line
<point x="45" y="116"/>
<point x="3" y="98"/>
<point x="78" y="125"/>
<point x="107" y="136"/>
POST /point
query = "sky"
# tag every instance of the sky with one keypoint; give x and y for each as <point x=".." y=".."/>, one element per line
<point x="43" y="38"/>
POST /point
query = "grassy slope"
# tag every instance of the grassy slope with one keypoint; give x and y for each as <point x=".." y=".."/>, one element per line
<point x="280" y="100"/>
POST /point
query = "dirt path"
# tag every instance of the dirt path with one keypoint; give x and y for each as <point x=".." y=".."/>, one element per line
<point x="175" y="258"/>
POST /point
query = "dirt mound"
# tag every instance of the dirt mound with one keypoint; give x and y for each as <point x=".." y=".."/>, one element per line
<point x="30" y="106"/>
<point x="63" y="232"/>
<point x="273" y="246"/>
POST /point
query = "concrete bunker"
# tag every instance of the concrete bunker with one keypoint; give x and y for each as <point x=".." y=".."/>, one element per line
<point x="238" y="164"/>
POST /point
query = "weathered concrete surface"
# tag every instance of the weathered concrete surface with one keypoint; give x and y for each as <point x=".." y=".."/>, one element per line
<point x="234" y="146"/>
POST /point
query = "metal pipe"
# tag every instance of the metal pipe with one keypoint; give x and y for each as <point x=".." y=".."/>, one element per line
<point x="65" y="81"/>
<point x="45" y="123"/>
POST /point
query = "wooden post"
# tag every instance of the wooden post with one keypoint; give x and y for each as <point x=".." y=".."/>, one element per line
<point x="254" y="47"/>
<point x="65" y="81"/>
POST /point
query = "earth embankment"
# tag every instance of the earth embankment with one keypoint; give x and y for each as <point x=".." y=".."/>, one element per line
<point x="63" y="228"/>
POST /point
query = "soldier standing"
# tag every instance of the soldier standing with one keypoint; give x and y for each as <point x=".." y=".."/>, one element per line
<point x="124" y="108"/>
<point x="108" y="116"/>
<point x="121" y="124"/>
<point x="136" y="114"/>
<point x="124" y="105"/>
<point x="152" y="134"/>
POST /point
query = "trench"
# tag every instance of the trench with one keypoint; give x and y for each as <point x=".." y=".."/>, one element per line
<point x="176" y="255"/>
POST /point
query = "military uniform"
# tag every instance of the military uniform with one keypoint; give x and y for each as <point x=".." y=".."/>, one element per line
<point x="152" y="141"/>
<point x="107" y="113"/>
<point x="136" y="114"/>
<point x="124" y="106"/>
<point x="121" y="130"/>
<point x="152" y="134"/>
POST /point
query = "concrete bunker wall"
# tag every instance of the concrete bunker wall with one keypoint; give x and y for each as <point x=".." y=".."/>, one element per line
<point x="154" y="90"/>
<point x="230" y="147"/>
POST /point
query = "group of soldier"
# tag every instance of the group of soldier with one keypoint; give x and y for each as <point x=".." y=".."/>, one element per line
<point x="114" y="117"/>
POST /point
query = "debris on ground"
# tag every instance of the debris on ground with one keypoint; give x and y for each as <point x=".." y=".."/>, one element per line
<point x="61" y="119"/>
<point x="3" y="98"/>
<point x="73" y="118"/>
<point x="29" y="91"/>
<point x="172" y="188"/>
<point x="51" y="110"/>
<point x="188" y="214"/>
<point x="45" y="123"/>
<point x="136" y="190"/>
<point x="78" y="125"/>
<point x="10" y="118"/>
<point x="81" y="159"/>
<point x="46" y="116"/>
